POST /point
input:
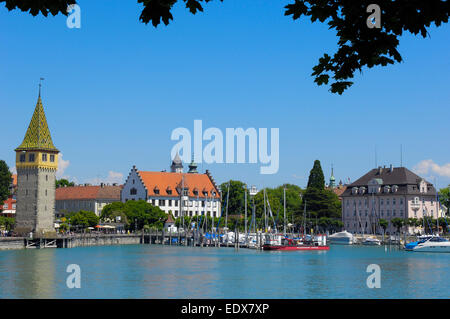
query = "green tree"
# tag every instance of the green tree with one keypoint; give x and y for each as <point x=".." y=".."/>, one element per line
<point x="444" y="197"/>
<point x="5" y="183"/>
<point x="398" y="223"/>
<point x="358" y="45"/>
<point x="63" y="183"/>
<point x="383" y="224"/>
<point x="84" y="219"/>
<point x="7" y="222"/>
<point x="316" y="178"/>
<point x="236" y="198"/>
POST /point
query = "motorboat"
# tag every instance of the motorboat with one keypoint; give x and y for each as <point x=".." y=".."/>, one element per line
<point x="371" y="241"/>
<point x="421" y="239"/>
<point x="433" y="245"/>
<point x="342" y="238"/>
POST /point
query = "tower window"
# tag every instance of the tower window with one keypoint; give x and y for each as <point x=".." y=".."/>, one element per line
<point x="31" y="158"/>
<point x="22" y="158"/>
<point x="44" y="157"/>
<point x="52" y="158"/>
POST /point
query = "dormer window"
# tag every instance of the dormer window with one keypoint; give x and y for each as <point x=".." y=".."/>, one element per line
<point x="387" y="189"/>
<point x="362" y="190"/>
<point x="156" y="190"/>
<point x="169" y="190"/>
<point x="394" y="188"/>
<point x="354" y="190"/>
<point x="195" y="191"/>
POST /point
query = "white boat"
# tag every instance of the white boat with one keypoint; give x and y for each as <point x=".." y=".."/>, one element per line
<point x="371" y="241"/>
<point x="433" y="245"/>
<point x="342" y="238"/>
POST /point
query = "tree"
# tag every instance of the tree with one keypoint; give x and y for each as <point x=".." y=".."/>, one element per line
<point x="5" y="183"/>
<point x="63" y="183"/>
<point x="383" y="224"/>
<point x="7" y="222"/>
<point x="316" y="178"/>
<point x="359" y="46"/>
<point x="135" y="214"/>
<point x="444" y="197"/>
<point x="397" y="223"/>
<point x="83" y="219"/>
<point x="236" y="198"/>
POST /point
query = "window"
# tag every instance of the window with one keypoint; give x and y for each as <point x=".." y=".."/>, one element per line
<point x="381" y="202"/>
<point x="176" y="203"/>
<point x="162" y="202"/>
<point x="46" y="178"/>
<point x="170" y="202"/>
<point x="31" y="157"/>
<point x="176" y="213"/>
<point x="52" y="158"/>
<point x="393" y="201"/>
<point x="22" y="158"/>
<point x="153" y="202"/>
<point x="133" y="191"/>
<point x="44" y="157"/>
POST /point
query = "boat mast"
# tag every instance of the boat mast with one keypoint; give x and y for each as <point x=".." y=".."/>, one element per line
<point x="226" y="210"/>
<point x="245" y="209"/>
<point x="265" y="216"/>
<point x="284" y="217"/>
<point x="304" y="219"/>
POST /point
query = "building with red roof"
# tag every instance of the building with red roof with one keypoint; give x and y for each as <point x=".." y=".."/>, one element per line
<point x="175" y="192"/>
<point x="85" y="197"/>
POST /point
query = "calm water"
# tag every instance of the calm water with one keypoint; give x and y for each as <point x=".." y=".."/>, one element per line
<point x="137" y="271"/>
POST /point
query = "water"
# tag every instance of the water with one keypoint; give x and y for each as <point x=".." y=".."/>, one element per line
<point x="151" y="271"/>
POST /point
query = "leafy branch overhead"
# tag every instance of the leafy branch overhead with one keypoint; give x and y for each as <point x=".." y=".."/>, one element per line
<point x="358" y="45"/>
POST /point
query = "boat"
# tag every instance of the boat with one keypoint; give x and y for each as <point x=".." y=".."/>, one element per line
<point x="371" y="241"/>
<point x="342" y="238"/>
<point x="421" y="239"/>
<point x="288" y="244"/>
<point x="433" y="245"/>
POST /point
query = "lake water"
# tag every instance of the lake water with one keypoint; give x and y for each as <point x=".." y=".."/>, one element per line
<point x="152" y="271"/>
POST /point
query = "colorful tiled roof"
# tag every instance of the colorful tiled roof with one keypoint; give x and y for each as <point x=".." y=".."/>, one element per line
<point x="164" y="181"/>
<point x="38" y="134"/>
<point x="88" y="192"/>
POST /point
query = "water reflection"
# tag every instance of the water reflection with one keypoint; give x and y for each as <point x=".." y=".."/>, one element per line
<point x="137" y="271"/>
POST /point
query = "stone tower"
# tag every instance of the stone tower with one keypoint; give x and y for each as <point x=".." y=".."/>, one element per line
<point x="36" y="164"/>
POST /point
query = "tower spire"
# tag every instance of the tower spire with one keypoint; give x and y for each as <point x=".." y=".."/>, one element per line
<point x="40" y="85"/>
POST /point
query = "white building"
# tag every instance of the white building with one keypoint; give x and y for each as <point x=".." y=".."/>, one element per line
<point x="387" y="193"/>
<point x="175" y="192"/>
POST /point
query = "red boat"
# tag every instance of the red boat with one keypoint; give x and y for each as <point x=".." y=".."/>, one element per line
<point x="290" y="244"/>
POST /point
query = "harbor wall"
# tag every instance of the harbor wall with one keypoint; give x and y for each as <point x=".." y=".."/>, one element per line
<point x="100" y="241"/>
<point x="12" y="243"/>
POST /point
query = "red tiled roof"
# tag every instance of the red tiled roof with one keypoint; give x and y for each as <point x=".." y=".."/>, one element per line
<point x="88" y="192"/>
<point x="164" y="180"/>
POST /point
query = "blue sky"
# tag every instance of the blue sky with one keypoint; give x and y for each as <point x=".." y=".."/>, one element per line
<point x="116" y="88"/>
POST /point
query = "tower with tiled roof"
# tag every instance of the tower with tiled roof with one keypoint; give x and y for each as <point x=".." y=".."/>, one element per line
<point x="36" y="163"/>
<point x="177" y="165"/>
<point x="192" y="166"/>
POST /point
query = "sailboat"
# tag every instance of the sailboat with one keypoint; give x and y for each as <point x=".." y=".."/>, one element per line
<point x="282" y="243"/>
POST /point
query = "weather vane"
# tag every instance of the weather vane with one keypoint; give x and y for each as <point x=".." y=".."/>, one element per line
<point x="40" y="85"/>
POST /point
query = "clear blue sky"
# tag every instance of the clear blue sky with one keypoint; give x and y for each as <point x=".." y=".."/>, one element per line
<point x="116" y="88"/>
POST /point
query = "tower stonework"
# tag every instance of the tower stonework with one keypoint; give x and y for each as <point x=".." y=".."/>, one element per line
<point x="36" y="164"/>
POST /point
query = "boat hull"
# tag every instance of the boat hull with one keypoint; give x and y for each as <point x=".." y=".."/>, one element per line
<point x="432" y="249"/>
<point x="292" y="248"/>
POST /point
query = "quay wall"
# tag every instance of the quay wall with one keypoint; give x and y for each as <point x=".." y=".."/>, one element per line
<point x="100" y="241"/>
<point x="12" y="243"/>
